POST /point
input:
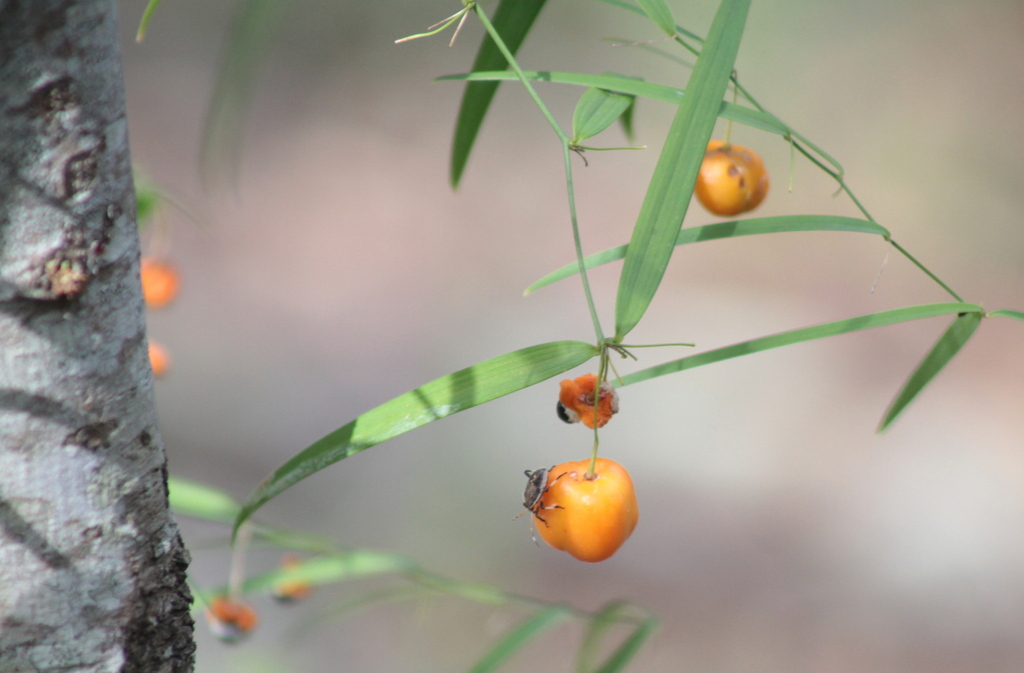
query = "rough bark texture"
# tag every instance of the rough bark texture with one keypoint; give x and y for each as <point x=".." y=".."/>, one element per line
<point x="92" y="569"/>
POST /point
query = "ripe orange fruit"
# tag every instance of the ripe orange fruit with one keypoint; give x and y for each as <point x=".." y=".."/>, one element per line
<point x="159" y="360"/>
<point x="159" y="282"/>
<point x="588" y="518"/>
<point x="291" y="590"/>
<point x="576" y="401"/>
<point x="732" y="179"/>
<point x="230" y="620"/>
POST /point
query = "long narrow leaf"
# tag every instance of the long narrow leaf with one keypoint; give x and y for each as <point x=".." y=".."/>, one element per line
<point x="512" y="19"/>
<point x="732" y="229"/>
<point x="519" y="636"/>
<point x="948" y="345"/>
<point x="236" y="84"/>
<point x="764" y="121"/>
<point x="442" y="397"/>
<point x="636" y="87"/>
<point x="330" y="569"/>
<point x="613" y="614"/>
<point x="670" y="189"/>
<point x="800" y="335"/>
<point x="659" y="12"/>
<point x="596" y="110"/>
<point x="625" y="652"/>
<point x="1007" y="313"/>
<point x="200" y="501"/>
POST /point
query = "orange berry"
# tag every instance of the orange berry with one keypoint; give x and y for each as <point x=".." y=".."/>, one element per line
<point x="588" y="518"/>
<point x="230" y="620"/>
<point x="576" y="401"/>
<point x="159" y="360"/>
<point x="732" y="179"/>
<point x="291" y="590"/>
<point x="159" y="282"/>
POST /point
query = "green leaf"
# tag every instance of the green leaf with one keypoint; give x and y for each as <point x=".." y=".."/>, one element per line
<point x="613" y="614"/>
<point x="233" y="92"/>
<point x="731" y="229"/>
<point x="518" y="637"/>
<point x="625" y="652"/>
<point x="757" y="119"/>
<point x="512" y="19"/>
<point x="442" y="397"/>
<point x="147" y="15"/>
<point x="329" y="569"/>
<point x="636" y="87"/>
<point x="596" y="110"/>
<point x="659" y="12"/>
<point x="800" y="335"/>
<point x="670" y="189"/>
<point x="948" y="345"/>
<point x="147" y="201"/>
<point x="1007" y="313"/>
<point x="626" y="121"/>
<point x="201" y="501"/>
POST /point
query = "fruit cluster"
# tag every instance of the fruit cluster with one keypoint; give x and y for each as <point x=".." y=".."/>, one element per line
<point x="160" y="283"/>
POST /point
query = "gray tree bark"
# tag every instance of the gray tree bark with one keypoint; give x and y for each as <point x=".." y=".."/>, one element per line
<point x="92" y="569"/>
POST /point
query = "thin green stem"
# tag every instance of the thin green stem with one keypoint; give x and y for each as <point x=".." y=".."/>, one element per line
<point x="489" y="27"/>
<point x="925" y="269"/>
<point x="578" y="242"/>
<point x="567" y="157"/>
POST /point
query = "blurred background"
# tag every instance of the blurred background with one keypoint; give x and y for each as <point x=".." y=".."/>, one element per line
<point x="336" y="269"/>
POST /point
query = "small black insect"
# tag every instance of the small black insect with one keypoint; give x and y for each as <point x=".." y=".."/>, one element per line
<point x="536" y="487"/>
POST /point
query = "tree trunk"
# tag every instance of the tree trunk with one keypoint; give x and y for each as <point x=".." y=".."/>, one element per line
<point x="92" y="569"/>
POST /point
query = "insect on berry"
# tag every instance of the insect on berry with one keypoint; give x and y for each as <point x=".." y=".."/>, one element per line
<point x="536" y="486"/>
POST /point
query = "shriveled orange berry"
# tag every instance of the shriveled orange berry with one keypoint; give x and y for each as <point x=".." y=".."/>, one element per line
<point x="589" y="518"/>
<point x="159" y="282"/>
<point x="576" y="401"/>
<point x="230" y="620"/>
<point x="159" y="360"/>
<point x="732" y="179"/>
<point x="291" y="590"/>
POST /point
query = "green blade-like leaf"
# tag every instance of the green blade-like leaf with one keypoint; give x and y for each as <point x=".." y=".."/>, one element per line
<point x="800" y="335"/>
<point x="757" y="119"/>
<point x="1007" y="313"/>
<point x="731" y="229"/>
<point x="201" y="501"/>
<point x="442" y="397"/>
<point x="596" y="110"/>
<point x="613" y="614"/>
<point x="625" y="652"/>
<point x="670" y="189"/>
<point x="636" y="87"/>
<point x="659" y="12"/>
<point x="626" y="121"/>
<point x="147" y="15"/>
<point x="518" y="637"/>
<point x="512" y="19"/>
<point x="948" y="345"/>
<point x="329" y="569"/>
<point x="233" y="92"/>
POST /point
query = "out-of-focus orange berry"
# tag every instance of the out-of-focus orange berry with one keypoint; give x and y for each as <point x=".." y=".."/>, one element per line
<point x="576" y="401"/>
<point x="291" y="590"/>
<point x="159" y="282"/>
<point x="159" y="360"/>
<point x="732" y="179"/>
<point x="588" y="518"/>
<point x="230" y="620"/>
